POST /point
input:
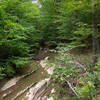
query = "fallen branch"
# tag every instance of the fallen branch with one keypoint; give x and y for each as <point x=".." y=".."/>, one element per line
<point x="71" y="87"/>
<point x="23" y="91"/>
<point x="80" y="65"/>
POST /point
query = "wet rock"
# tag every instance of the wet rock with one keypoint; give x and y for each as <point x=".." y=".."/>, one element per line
<point x="36" y="92"/>
<point x="10" y="83"/>
<point x="6" y="94"/>
<point x="43" y="64"/>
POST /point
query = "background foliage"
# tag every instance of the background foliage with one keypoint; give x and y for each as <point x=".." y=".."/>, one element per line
<point x="18" y="34"/>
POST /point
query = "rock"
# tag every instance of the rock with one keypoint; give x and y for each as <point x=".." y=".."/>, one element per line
<point x="4" y="95"/>
<point x="43" y="64"/>
<point x="44" y="98"/>
<point x="38" y="90"/>
<point x="50" y="70"/>
<point x="51" y="98"/>
<point x="10" y="83"/>
<point x="53" y="91"/>
<point x="46" y="58"/>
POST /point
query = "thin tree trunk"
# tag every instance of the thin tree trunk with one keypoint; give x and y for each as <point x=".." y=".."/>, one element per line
<point x="95" y="45"/>
<point x="75" y="14"/>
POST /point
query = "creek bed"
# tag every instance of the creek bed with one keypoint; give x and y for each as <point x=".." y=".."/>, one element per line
<point x="37" y="76"/>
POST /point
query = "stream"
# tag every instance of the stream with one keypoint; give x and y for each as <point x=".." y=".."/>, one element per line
<point x="36" y="85"/>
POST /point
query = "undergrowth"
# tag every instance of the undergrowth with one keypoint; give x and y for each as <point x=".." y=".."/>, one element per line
<point x="85" y="83"/>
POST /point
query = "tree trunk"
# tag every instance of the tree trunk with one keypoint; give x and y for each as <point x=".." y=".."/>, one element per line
<point x="95" y="45"/>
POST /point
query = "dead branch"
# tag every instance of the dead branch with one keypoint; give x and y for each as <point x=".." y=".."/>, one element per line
<point x="71" y="87"/>
<point x="80" y="65"/>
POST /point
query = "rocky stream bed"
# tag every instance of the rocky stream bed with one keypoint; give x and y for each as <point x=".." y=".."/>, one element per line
<point x="34" y="85"/>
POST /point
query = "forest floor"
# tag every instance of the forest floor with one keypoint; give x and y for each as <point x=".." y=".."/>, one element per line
<point x="83" y="57"/>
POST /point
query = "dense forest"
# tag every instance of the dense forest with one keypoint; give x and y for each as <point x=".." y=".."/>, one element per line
<point x="64" y="26"/>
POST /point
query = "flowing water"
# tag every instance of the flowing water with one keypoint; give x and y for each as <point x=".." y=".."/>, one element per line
<point x="9" y="89"/>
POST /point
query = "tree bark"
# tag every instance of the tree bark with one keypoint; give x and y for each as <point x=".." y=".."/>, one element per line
<point x="95" y="44"/>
